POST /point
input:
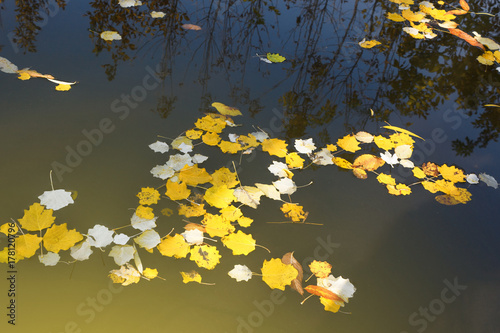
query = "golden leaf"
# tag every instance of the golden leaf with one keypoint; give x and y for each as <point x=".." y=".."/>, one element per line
<point x="193" y="134"/>
<point x="63" y="87"/>
<point x="275" y="147"/>
<point x="174" y="246"/>
<point x="320" y="269"/>
<point x="430" y="169"/>
<point x="231" y="213"/>
<point x="226" y="110"/>
<point x="411" y="16"/>
<point x="205" y="256"/>
<point x="331" y="147"/>
<point x="216" y="225"/>
<point x="177" y="191"/>
<point x="451" y="173"/>
<point x="386" y="179"/>
<point x="211" y="138"/>
<point x="58" y="238"/>
<point x="27" y="244"/>
<point x="294" y="212"/>
<point x="342" y="163"/>
<point x="402" y="130"/>
<point x="293" y="160"/>
<point x="211" y="123"/>
<point x="368" y="44"/>
<point x="192" y="276"/>
<point x="193" y="209"/>
<point x="400" y="189"/>
<point x="330" y="305"/>
<point x="446" y="199"/>
<point x="148" y="196"/>
<point x="368" y="162"/>
<point x="277" y="275"/>
<point x="359" y="173"/>
<point x="145" y="212"/>
<point x="383" y="142"/>
<point x="224" y="176"/>
<point x="229" y="147"/>
<point x="239" y="243"/>
<point x="36" y="218"/>
<point x="150" y="273"/>
<point x="192" y="175"/>
<point x="244" y="221"/>
<point x="418" y="173"/>
<point x="349" y="143"/>
<point x="395" y="17"/>
<point x="219" y="196"/>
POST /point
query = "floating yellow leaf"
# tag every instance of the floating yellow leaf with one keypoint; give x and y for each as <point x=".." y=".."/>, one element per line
<point x="320" y="269"/>
<point x="193" y="209"/>
<point x="229" y="147"/>
<point x="177" y="191"/>
<point x="275" y="147"/>
<point x="219" y="196"/>
<point x="27" y="244"/>
<point x="224" y="176"/>
<point x="231" y="213"/>
<point x="110" y="35"/>
<point x="294" y="212"/>
<point x="150" y="273"/>
<point x="401" y="139"/>
<point x="194" y="134"/>
<point x="275" y="57"/>
<point x="411" y="16"/>
<point x="359" y="173"/>
<point x="248" y="195"/>
<point x="211" y="138"/>
<point x="293" y="160"/>
<point x="386" y="179"/>
<point x="383" y="142"/>
<point x="331" y="147"/>
<point x="430" y="169"/>
<point x="148" y="196"/>
<point x="244" y="221"/>
<point x="193" y="175"/>
<point x="145" y="212"/>
<point x="400" y="189"/>
<point x="58" y="238"/>
<point x="63" y="87"/>
<point x="395" y="17"/>
<point x="36" y="218"/>
<point x="211" y="123"/>
<point x="239" y="242"/>
<point x="205" y="256"/>
<point x="126" y="275"/>
<point x="277" y="275"/>
<point x="248" y="141"/>
<point x="342" y="163"/>
<point x="368" y="162"/>
<point x="451" y="173"/>
<point x="192" y="276"/>
<point x="226" y="110"/>
<point x="402" y="130"/>
<point x="174" y="246"/>
<point x="368" y="44"/>
<point x="349" y="143"/>
<point x="216" y="225"/>
<point x="418" y="173"/>
<point x="330" y="305"/>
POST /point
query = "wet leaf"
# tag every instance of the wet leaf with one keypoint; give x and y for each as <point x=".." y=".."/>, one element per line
<point x="277" y="275"/>
<point x="288" y="259"/>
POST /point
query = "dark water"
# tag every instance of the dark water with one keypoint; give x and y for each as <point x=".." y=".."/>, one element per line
<point x="418" y="266"/>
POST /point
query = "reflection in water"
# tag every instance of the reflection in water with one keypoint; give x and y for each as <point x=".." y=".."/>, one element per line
<point x="327" y="74"/>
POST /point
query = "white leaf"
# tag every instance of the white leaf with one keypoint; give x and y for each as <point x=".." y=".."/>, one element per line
<point x="185" y="148"/>
<point x="269" y="191"/>
<point x="7" y="67"/>
<point x="159" y="147"/>
<point x="137" y="260"/>
<point x="389" y="158"/>
<point x="148" y="239"/>
<point x="100" y="236"/>
<point x="279" y="169"/>
<point x="260" y="136"/>
<point x="178" y="161"/>
<point x="407" y="164"/>
<point x="285" y="186"/>
<point x="49" y="259"/>
<point x="339" y="286"/>
<point x="403" y="151"/>
<point x="162" y="171"/>
<point x="61" y="82"/>
<point x="143" y="224"/>
<point x="56" y="199"/>
<point x="233" y="137"/>
<point x="122" y="253"/>
<point x="198" y="158"/>
<point x="193" y="236"/>
<point x="304" y="146"/>
<point x="248" y="195"/>
<point x="81" y="251"/>
<point x="157" y="14"/>
<point x="472" y="179"/>
<point x="364" y="137"/>
<point x="121" y="239"/>
<point x="489" y="180"/>
<point x="323" y="157"/>
<point x="240" y="273"/>
<point x="129" y="3"/>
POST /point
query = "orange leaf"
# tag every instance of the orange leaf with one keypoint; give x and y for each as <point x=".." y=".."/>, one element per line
<point x="456" y="12"/>
<point x="323" y="292"/>
<point x="464" y="5"/>
<point x="465" y="36"/>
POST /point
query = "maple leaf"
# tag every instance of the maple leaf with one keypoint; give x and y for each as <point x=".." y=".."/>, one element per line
<point x="275" y="147"/>
<point x="219" y="196"/>
<point x="177" y="191"/>
<point x="36" y="218"/>
<point x="211" y="123"/>
<point x="56" y="199"/>
<point x="205" y="256"/>
<point x="27" y="244"/>
<point x="320" y="269"/>
<point x="174" y="246"/>
<point x="240" y="273"/>
<point x="349" y="143"/>
<point x="58" y="238"/>
<point x="239" y="243"/>
<point x="294" y="212"/>
<point x="148" y="196"/>
<point x="277" y="275"/>
<point x="451" y="173"/>
<point x="226" y="110"/>
<point x="216" y="225"/>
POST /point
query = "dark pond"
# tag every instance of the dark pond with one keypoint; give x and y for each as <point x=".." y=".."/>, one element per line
<point x="417" y="265"/>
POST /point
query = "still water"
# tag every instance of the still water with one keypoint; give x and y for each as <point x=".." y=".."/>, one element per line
<point x="418" y="266"/>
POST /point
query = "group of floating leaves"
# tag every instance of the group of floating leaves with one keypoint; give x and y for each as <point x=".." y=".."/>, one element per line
<point x="214" y="205"/>
<point x="424" y="19"/>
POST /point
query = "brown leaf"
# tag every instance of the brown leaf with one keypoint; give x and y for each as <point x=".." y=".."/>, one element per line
<point x="430" y="169"/>
<point x="288" y="259"/>
<point x="34" y="73"/>
<point x="465" y="36"/>
<point x="359" y="173"/>
<point x="368" y="162"/>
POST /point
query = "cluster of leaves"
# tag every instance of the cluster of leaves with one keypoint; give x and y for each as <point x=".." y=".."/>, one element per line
<point x="212" y="205"/>
<point x="25" y="74"/>
<point x="429" y="17"/>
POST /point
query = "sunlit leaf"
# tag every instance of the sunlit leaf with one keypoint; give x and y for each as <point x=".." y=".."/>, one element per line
<point x="368" y="44"/>
<point x="239" y="243"/>
<point x="349" y="143"/>
<point x="174" y="246"/>
<point x="275" y="57"/>
<point x="36" y="218"/>
<point x="58" y="238"/>
<point x="226" y="110"/>
<point x="277" y="275"/>
<point x="205" y="256"/>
